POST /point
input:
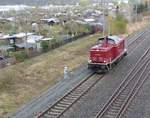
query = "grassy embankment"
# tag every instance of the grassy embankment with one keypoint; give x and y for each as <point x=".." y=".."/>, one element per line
<point x="19" y="83"/>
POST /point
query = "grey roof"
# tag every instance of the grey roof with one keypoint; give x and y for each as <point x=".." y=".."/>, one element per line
<point x="115" y="38"/>
<point x="6" y="47"/>
<point x="19" y="35"/>
<point x="26" y="45"/>
<point x="34" y="38"/>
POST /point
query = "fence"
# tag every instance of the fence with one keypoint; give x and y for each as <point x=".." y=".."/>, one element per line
<point x="68" y="40"/>
<point x="58" y="44"/>
<point x="34" y="52"/>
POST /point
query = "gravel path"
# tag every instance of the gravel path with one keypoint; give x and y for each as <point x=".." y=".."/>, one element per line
<point x="95" y="99"/>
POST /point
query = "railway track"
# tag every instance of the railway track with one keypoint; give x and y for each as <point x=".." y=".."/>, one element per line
<point x="118" y="103"/>
<point x="63" y="104"/>
<point x="137" y="39"/>
<point x="57" y="109"/>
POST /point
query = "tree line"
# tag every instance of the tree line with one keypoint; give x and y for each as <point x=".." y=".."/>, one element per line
<point x="142" y="7"/>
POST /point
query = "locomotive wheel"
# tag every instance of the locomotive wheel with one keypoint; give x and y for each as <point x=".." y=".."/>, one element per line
<point x="125" y="54"/>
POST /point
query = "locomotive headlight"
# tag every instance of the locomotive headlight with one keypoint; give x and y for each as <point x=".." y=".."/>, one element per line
<point x="90" y="60"/>
<point x="104" y="61"/>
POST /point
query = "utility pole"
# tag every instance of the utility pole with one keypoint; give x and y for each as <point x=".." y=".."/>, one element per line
<point x="26" y="48"/>
<point x="106" y="25"/>
<point x="103" y="10"/>
<point x="136" y="12"/>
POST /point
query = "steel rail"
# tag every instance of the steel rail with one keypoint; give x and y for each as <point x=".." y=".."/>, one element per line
<point x="110" y="101"/>
<point x="70" y="97"/>
<point x="131" y="96"/>
<point x="40" y="115"/>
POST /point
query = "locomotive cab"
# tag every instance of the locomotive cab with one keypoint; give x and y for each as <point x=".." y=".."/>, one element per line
<point x="108" y="51"/>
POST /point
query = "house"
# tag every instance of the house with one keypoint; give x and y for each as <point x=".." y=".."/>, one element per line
<point x="51" y="21"/>
<point x="10" y="19"/>
<point x="30" y="42"/>
<point x="14" y="40"/>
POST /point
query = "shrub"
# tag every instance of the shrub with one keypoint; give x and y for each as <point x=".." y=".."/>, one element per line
<point x="44" y="32"/>
<point x="45" y="46"/>
<point x="119" y="25"/>
<point x="20" y="55"/>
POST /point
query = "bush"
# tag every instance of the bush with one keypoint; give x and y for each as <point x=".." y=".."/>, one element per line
<point x="44" y="32"/>
<point x="20" y="55"/>
<point x="119" y="25"/>
<point x="45" y="46"/>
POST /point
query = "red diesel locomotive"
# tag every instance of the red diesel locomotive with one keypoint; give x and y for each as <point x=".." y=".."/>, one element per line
<point x="107" y="52"/>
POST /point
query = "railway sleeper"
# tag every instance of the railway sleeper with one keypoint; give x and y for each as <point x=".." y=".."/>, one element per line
<point x="83" y="90"/>
<point x="123" y="96"/>
<point x="85" y="86"/>
<point x="125" y="92"/>
<point x="59" y="108"/>
<point x="56" y="110"/>
<point x="70" y="99"/>
<point x="62" y="105"/>
<point x="116" y="105"/>
<point x="72" y="96"/>
<point x="119" y="101"/>
<point x="113" y="110"/>
<point x="109" y="116"/>
<point x="112" y="113"/>
<point x="66" y="103"/>
<point x="76" y="93"/>
<point x="80" y="90"/>
<point x="50" y="116"/>
<point x="51" y="113"/>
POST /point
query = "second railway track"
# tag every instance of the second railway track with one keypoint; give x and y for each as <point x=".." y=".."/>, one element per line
<point x="118" y="103"/>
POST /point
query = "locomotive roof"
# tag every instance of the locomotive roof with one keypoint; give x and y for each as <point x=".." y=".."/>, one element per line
<point x="102" y="44"/>
<point x="115" y="38"/>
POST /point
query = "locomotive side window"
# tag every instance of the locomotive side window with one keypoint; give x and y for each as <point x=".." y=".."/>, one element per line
<point x="110" y="41"/>
<point x="100" y="40"/>
<point x="115" y="39"/>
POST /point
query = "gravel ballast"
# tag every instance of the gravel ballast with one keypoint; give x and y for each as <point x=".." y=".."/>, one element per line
<point x="93" y="101"/>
